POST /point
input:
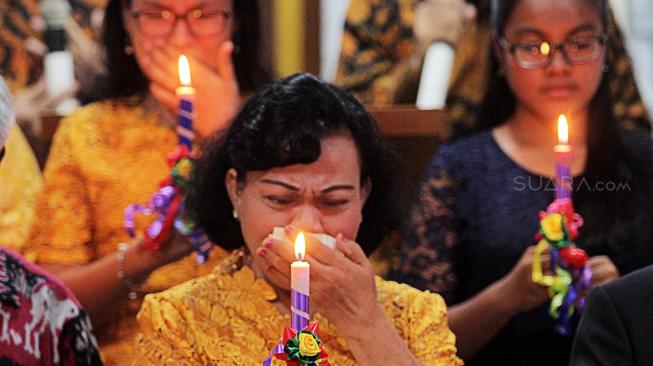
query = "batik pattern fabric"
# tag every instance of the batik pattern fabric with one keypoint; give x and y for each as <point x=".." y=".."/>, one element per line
<point x="21" y="39"/>
<point x="42" y="323"/>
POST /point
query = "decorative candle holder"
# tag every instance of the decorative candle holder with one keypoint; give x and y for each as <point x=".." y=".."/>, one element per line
<point x="302" y="348"/>
<point x="167" y="203"/>
<point x="559" y="226"/>
<point x="300" y="345"/>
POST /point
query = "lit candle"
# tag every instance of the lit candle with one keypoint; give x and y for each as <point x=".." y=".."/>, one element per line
<point x="186" y="95"/>
<point x="563" y="153"/>
<point x="299" y="286"/>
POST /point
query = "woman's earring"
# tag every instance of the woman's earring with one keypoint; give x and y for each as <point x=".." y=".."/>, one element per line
<point x="501" y="71"/>
<point x="129" y="48"/>
<point x="235" y="214"/>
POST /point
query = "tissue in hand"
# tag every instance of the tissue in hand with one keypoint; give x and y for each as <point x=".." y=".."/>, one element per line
<point x="279" y="233"/>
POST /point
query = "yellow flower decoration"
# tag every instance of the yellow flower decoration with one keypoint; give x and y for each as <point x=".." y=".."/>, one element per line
<point x="184" y="167"/>
<point x="553" y="227"/>
<point x="308" y="345"/>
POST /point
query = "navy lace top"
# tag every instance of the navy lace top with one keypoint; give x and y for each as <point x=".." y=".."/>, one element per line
<point x="477" y="212"/>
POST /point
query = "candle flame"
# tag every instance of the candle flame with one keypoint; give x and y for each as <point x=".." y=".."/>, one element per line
<point x="300" y="247"/>
<point x="184" y="70"/>
<point x="563" y="130"/>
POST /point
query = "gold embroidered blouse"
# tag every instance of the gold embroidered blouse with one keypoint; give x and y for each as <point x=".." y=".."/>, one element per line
<point x="230" y="320"/>
<point x="105" y="156"/>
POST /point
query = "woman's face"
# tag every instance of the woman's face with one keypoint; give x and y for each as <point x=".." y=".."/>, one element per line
<point x="559" y="87"/>
<point x="325" y="196"/>
<point x="200" y="28"/>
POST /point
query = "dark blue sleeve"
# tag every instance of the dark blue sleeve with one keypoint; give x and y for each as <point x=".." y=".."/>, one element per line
<point x="430" y="237"/>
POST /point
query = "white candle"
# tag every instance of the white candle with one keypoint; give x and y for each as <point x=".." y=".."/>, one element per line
<point x="563" y="153"/>
<point x="300" y="286"/>
<point x="186" y="95"/>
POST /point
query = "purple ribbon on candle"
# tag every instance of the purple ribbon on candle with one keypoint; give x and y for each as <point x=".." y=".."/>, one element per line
<point x="185" y="122"/>
<point x="277" y="350"/>
<point x="563" y="181"/>
<point x="299" y="317"/>
<point x="158" y="203"/>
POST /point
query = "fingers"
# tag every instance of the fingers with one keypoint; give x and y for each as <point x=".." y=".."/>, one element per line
<point x="160" y="66"/>
<point x="451" y="15"/>
<point x="37" y="90"/>
<point x="351" y="249"/>
<point x="164" y="96"/>
<point x="54" y="100"/>
<point x="603" y="270"/>
<point x="76" y="35"/>
<point x="224" y="65"/>
<point x="469" y="12"/>
<point x="275" y="255"/>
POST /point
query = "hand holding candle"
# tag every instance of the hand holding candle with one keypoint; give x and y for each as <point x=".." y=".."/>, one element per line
<point x="559" y="226"/>
<point x="167" y="203"/>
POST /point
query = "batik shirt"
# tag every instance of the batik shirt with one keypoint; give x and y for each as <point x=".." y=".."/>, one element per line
<point x="41" y="321"/>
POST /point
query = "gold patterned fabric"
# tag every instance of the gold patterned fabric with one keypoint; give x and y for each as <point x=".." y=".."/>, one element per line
<point x="230" y="320"/>
<point x="104" y="157"/>
<point x="20" y="66"/>
<point x="20" y="184"/>
<point x="378" y="40"/>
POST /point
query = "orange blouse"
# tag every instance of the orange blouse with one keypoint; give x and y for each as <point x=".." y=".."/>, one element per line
<point x="105" y="156"/>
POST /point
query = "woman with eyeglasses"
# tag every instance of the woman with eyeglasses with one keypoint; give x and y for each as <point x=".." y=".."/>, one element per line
<point x="471" y="235"/>
<point x="112" y="153"/>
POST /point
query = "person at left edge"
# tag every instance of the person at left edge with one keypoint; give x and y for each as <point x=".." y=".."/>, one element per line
<point x="42" y="321"/>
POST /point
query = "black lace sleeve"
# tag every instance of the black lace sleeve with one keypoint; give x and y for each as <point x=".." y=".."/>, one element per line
<point x="426" y="252"/>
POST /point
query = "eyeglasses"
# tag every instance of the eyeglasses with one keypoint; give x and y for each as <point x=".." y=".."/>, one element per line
<point x="201" y="23"/>
<point x="575" y="50"/>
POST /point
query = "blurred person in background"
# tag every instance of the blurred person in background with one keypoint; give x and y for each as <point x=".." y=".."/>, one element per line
<point x="110" y="154"/>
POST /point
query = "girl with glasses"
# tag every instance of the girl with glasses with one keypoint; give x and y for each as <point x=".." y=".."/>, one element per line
<point x="112" y="153"/>
<point x="471" y="234"/>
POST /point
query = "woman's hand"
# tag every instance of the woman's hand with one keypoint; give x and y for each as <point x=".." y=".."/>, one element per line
<point x="173" y="249"/>
<point x="603" y="270"/>
<point x="218" y="96"/>
<point x="344" y="290"/>
<point x="441" y="20"/>
<point x="342" y="280"/>
<point x="518" y="288"/>
<point x="33" y="102"/>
